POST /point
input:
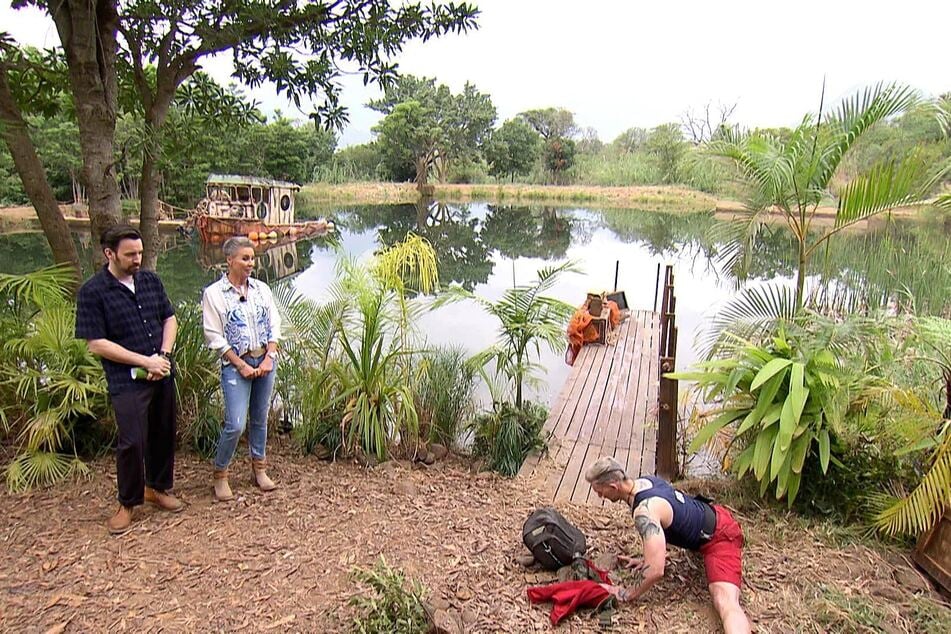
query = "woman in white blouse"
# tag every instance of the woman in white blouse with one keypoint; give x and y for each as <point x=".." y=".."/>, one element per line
<point x="242" y="325"/>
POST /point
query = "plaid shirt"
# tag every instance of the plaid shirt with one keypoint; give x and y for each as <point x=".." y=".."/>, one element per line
<point x="107" y="309"/>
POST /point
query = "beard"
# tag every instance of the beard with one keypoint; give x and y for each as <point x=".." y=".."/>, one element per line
<point x="130" y="269"/>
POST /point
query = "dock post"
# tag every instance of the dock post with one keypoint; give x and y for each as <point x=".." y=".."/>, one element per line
<point x="667" y="400"/>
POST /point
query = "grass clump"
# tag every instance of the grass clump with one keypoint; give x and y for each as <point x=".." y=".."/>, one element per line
<point x="393" y="603"/>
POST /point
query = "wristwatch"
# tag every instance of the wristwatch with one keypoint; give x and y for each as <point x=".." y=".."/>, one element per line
<point x="167" y="355"/>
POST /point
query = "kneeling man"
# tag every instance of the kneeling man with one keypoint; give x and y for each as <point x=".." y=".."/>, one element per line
<point x="663" y="515"/>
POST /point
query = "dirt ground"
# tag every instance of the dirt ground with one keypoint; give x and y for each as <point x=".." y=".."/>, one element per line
<point x="281" y="561"/>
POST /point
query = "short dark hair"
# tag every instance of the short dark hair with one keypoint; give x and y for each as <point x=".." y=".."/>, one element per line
<point x="112" y="236"/>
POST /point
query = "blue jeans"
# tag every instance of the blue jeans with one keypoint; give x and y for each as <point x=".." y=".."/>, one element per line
<point x="244" y="399"/>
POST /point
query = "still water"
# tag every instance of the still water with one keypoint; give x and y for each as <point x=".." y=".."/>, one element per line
<point x="487" y="248"/>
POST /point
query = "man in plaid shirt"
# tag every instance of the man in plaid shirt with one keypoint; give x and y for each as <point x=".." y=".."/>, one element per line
<point x="128" y="321"/>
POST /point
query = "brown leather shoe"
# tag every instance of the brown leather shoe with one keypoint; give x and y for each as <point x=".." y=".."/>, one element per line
<point x="163" y="500"/>
<point x="222" y="488"/>
<point x="260" y="475"/>
<point x="121" y="522"/>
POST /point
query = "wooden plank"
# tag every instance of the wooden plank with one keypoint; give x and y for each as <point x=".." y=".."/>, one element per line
<point x="577" y="429"/>
<point x="567" y="399"/>
<point x="573" y="472"/>
<point x="648" y="460"/>
<point x="607" y="406"/>
<point x="589" y="394"/>
<point x="587" y="377"/>
<point x="615" y="383"/>
<point x="626" y="428"/>
<point x="638" y="416"/>
<point x="606" y="431"/>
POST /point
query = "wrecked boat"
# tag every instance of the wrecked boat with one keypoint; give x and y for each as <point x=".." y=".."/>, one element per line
<point x="259" y="208"/>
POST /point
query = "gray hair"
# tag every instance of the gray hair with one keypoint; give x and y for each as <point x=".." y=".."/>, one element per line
<point x="605" y="471"/>
<point x="231" y="245"/>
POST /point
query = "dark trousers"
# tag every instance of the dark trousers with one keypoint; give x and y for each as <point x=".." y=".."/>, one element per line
<point x="146" y="421"/>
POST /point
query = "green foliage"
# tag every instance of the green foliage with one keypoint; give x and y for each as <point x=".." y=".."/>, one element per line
<point x="914" y="512"/>
<point x="425" y="122"/>
<point x="527" y="318"/>
<point x="785" y="400"/>
<point x="667" y="146"/>
<point x="795" y="175"/>
<point x="52" y="389"/>
<point x="379" y="402"/>
<point x="394" y="604"/>
<point x="506" y="435"/>
<point x="356" y="163"/>
<point x="300" y="49"/>
<point x="409" y="140"/>
<point x="551" y="123"/>
<point x="445" y="394"/>
<point x="197" y="382"/>
<point x="559" y="157"/>
<point x="512" y="149"/>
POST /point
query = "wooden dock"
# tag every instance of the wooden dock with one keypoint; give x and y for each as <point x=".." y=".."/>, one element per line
<point x="607" y="407"/>
<point x="615" y="402"/>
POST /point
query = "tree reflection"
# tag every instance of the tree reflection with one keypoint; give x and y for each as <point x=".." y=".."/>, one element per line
<point x="526" y="232"/>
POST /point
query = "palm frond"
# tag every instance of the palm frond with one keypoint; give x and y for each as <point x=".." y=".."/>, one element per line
<point x="887" y="185"/>
<point x="41" y="288"/>
<point x="41" y="468"/>
<point x="748" y="316"/>
<point x="919" y="511"/>
<point x="855" y="115"/>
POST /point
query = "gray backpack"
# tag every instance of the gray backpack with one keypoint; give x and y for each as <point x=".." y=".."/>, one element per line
<point x="553" y="540"/>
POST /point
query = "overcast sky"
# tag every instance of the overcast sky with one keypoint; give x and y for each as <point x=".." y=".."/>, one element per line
<point x="623" y="63"/>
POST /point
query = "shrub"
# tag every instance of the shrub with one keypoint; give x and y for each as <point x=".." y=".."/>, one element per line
<point x="200" y="408"/>
<point x="783" y="398"/>
<point x="394" y="604"/>
<point x="52" y="389"/>
<point x="444" y="396"/>
<point x="506" y="435"/>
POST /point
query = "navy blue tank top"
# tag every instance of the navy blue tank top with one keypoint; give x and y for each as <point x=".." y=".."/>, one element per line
<point x="686" y="528"/>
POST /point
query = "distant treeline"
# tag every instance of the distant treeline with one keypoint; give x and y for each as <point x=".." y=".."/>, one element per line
<point x="427" y="133"/>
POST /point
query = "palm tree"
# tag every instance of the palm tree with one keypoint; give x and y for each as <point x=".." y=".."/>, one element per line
<point x="793" y="176"/>
<point x="527" y="318"/>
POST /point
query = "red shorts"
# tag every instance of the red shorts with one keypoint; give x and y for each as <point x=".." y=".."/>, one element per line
<point x="722" y="555"/>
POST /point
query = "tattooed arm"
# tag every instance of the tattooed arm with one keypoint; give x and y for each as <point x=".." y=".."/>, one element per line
<point x="647" y="522"/>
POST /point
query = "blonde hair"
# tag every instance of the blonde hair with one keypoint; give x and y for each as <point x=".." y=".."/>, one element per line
<point x="605" y="471"/>
<point x="231" y="245"/>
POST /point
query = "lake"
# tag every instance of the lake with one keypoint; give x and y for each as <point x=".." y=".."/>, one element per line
<point x="486" y="248"/>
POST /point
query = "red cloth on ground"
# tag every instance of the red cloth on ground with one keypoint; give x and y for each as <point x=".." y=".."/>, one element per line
<point x="568" y="596"/>
<point x="722" y="555"/>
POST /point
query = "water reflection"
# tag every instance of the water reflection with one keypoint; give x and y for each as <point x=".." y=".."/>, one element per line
<point x="486" y="248"/>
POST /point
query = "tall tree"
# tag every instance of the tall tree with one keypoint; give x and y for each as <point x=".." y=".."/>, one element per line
<point x="27" y="83"/>
<point x="794" y="176"/>
<point x="512" y="149"/>
<point x="463" y="121"/>
<point x="551" y="123"/>
<point x="410" y="134"/>
<point x="299" y="47"/>
<point x="87" y="32"/>
<point x="666" y="144"/>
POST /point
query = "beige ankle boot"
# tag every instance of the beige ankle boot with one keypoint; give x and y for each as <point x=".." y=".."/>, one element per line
<point x="260" y="475"/>
<point x="222" y="488"/>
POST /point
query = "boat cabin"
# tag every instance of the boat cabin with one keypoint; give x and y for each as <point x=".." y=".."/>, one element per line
<point x="250" y="198"/>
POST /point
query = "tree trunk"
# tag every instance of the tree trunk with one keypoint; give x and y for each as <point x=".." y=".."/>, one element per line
<point x="801" y="276"/>
<point x="148" y="210"/>
<point x="87" y="30"/>
<point x="31" y="171"/>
